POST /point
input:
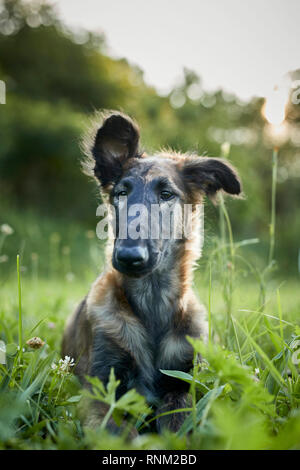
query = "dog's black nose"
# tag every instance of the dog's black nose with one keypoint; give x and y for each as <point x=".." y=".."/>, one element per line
<point x="135" y="256"/>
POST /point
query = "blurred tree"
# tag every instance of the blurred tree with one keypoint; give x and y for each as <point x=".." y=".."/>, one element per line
<point x="55" y="78"/>
<point x="34" y="42"/>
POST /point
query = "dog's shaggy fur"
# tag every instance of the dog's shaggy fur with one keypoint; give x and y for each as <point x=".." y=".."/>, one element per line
<point x="137" y="321"/>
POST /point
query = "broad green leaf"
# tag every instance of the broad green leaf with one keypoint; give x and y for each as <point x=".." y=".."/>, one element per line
<point x="185" y="377"/>
<point x="200" y="408"/>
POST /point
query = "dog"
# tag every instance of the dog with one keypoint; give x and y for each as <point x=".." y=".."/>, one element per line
<point x="139" y="311"/>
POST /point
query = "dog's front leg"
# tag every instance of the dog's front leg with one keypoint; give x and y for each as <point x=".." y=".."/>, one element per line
<point x="173" y="401"/>
<point x="106" y="355"/>
<point x="96" y="415"/>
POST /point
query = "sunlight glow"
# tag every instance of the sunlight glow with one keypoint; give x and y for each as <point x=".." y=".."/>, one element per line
<point x="274" y="107"/>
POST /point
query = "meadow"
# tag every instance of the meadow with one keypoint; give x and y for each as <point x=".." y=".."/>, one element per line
<point x="245" y="392"/>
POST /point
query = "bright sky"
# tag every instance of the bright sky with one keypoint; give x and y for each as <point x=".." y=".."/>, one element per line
<point x="243" y="46"/>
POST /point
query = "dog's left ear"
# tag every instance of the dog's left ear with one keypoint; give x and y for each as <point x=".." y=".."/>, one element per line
<point x="210" y="175"/>
<point x="116" y="141"/>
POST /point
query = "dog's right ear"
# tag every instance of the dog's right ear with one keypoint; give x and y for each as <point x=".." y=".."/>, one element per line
<point x="116" y="141"/>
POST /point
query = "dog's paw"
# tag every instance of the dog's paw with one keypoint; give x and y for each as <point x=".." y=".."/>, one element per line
<point x="171" y="422"/>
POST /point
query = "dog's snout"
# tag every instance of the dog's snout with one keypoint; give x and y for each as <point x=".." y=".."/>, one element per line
<point x="135" y="256"/>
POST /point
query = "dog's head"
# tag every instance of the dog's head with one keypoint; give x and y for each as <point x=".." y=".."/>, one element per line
<point x="150" y="193"/>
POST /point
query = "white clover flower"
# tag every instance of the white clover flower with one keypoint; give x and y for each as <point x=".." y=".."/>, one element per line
<point x="3" y="259"/>
<point x="256" y="370"/>
<point x="67" y="362"/>
<point x="64" y="365"/>
<point x="6" y="229"/>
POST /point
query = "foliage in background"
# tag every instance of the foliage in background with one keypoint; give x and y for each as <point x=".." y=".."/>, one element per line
<point x="56" y="78"/>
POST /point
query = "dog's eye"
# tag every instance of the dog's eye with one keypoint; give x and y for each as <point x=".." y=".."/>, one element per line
<point x="166" y="195"/>
<point x="122" y="193"/>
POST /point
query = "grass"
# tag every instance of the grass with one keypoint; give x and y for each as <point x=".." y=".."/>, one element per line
<point x="245" y="392"/>
<point x="246" y="395"/>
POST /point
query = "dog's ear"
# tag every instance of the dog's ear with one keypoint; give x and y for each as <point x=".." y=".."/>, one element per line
<point x="116" y="141"/>
<point x="210" y="175"/>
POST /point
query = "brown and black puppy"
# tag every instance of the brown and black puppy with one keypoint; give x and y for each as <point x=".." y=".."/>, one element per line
<point x="141" y="308"/>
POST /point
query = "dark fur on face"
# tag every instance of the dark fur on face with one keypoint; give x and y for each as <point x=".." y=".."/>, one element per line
<point x="139" y="311"/>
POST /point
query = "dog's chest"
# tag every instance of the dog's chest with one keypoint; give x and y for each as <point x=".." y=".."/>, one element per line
<point x="145" y="333"/>
<point x="162" y="348"/>
<point x="154" y="302"/>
